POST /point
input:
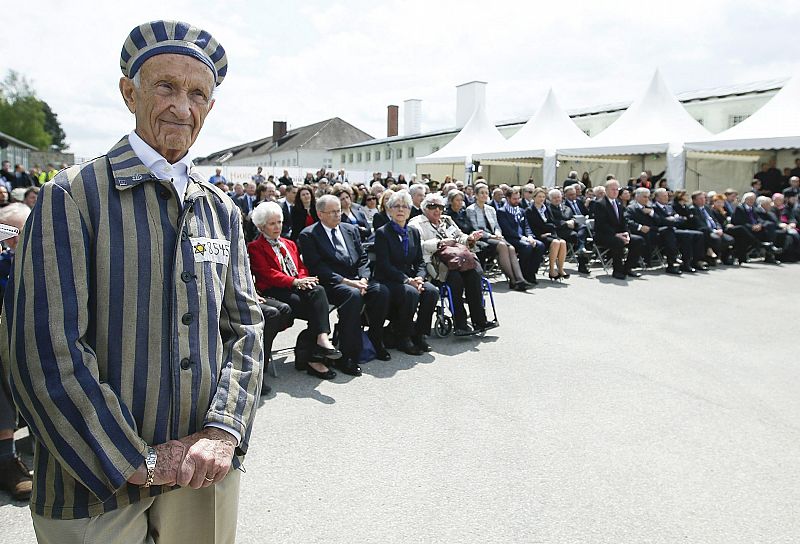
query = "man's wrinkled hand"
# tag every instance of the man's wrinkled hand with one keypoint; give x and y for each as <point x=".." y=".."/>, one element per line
<point x="208" y="458"/>
<point x="169" y="457"/>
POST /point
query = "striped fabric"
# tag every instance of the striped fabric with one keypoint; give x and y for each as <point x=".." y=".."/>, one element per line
<point x="159" y="37"/>
<point x="117" y="335"/>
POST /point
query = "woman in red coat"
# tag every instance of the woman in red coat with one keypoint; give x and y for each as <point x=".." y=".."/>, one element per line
<point x="281" y="274"/>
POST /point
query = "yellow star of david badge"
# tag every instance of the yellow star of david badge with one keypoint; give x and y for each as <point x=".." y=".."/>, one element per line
<point x="200" y="248"/>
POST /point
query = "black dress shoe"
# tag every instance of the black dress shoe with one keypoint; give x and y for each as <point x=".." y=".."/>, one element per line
<point x="633" y="274"/>
<point x="348" y="366"/>
<point x="672" y="269"/>
<point x="583" y="269"/>
<point x="330" y="353"/>
<point x="380" y="352"/>
<point x="618" y="275"/>
<point x="487" y="326"/>
<point x="407" y="346"/>
<point x="522" y="286"/>
<point x="689" y="269"/>
<point x="465" y="330"/>
<point x="329" y="375"/>
<point x="700" y="265"/>
<point x="420" y="342"/>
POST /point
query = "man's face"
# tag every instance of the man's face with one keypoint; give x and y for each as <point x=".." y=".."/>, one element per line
<point x="700" y="200"/>
<point x="6" y="166"/>
<point x="172" y="103"/>
<point x="662" y="198"/>
<point x="612" y="190"/>
<point x="514" y="199"/>
<point x="219" y="171"/>
<point x="570" y="194"/>
<point x="750" y="200"/>
<point x="258" y="170"/>
<point x="767" y="205"/>
<point x="3" y="195"/>
<point x="642" y="198"/>
<point x="332" y="215"/>
<point x="291" y="193"/>
<point x="732" y="197"/>
<point x="270" y="191"/>
<point x="418" y="197"/>
<point x="555" y="200"/>
<point x="30" y="200"/>
<point x="238" y="190"/>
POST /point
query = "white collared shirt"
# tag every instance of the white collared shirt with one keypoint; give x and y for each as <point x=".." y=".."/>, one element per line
<point x="177" y="173"/>
<point x="338" y="235"/>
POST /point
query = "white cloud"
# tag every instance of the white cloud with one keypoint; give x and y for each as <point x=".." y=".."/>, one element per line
<point x="310" y="61"/>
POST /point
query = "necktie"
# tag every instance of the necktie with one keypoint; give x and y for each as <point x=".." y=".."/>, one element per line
<point x="575" y="207"/>
<point x="710" y="221"/>
<point x="616" y="210"/>
<point x="338" y="246"/>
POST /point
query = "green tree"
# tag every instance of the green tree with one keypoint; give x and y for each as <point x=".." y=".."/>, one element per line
<point x="53" y="128"/>
<point x="21" y="113"/>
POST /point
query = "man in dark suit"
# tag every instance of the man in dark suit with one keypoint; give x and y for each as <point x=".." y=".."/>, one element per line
<point x="287" y="203"/>
<point x="569" y="228"/>
<point x="786" y="237"/>
<point x="611" y="232"/>
<point x="731" y="201"/>
<point x="332" y="251"/>
<point x="690" y="242"/>
<point x="701" y="219"/>
<point x="417" y="192"/>
<point x="518" y="233"/>
<point x="745" y="215"/>
<point x="639" y="217"/>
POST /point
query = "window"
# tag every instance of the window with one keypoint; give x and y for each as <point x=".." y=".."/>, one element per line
<point x="434" y="148"/>
<point x="344" y="158"/>
<point x="410" y="152"/>
<point x="369" y="156"/>
<point x="327" y="163"/>
<point x="377" y="155"/>
<point x="294" y="162"/>
<point x="388" y="154"/>
<point x="399" y="153"/>
<point x="358" y="157"/>
<point x="734" y="120"/>
<point x="350" y="158"/>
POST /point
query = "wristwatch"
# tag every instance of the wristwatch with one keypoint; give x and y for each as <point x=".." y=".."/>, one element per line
<point x="150" y="464"/>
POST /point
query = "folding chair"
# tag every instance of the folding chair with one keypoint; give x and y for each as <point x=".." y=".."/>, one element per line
<point x="601" y="254"/>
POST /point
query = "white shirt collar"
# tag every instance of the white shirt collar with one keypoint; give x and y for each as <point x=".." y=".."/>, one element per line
<point x="178" y="172"/>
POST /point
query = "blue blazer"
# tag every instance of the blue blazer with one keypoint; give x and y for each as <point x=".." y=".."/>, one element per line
<point x="392" y="264"/>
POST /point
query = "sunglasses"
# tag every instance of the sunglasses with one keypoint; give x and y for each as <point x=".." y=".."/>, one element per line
<point x="434" y="206"/>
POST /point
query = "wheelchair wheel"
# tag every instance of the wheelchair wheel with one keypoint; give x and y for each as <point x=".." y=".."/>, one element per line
<point x="443" y="326"/>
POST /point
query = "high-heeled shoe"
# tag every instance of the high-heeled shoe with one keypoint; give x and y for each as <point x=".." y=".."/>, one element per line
<point x="554" y="277"/>
<point x="563" y="275"/>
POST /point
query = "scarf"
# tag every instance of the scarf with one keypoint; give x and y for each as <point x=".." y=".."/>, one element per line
<point x="403" y="233"/>
<point x="287" y="264"/>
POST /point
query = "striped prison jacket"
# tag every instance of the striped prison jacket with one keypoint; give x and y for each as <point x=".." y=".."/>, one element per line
<point x="130" y="320"/>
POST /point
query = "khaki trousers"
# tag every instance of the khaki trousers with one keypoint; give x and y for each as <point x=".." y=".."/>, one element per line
<point x="191" y="516"/>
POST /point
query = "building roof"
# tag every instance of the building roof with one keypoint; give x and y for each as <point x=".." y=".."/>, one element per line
<point x="756" y="87"/>
<point x="19" y="143"/>
<point x="318" y="136"/>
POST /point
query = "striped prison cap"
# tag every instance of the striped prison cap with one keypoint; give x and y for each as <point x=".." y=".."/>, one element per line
<point x="159" y="37"/>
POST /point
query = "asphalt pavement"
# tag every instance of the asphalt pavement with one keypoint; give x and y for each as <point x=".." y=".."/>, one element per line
<point x="657" y="410"/>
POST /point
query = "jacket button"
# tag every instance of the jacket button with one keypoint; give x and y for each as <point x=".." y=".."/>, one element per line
<point x="186" y="276"/>
<point x="185" y="363"/>
<point x="165" y="193"/>
<point x="187" y="318"/>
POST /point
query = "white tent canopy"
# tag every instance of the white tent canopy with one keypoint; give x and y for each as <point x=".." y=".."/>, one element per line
<point x="548" y="129"/>
<point x="775" y="126"/>
<point x="478" y="134"/>
<point x="655" y="123"/>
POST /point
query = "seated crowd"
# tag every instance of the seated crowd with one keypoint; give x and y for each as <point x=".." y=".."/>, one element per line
<point x="376" y="252"/>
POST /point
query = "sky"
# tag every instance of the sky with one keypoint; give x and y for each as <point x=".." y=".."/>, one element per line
<point x="303" y="62"/>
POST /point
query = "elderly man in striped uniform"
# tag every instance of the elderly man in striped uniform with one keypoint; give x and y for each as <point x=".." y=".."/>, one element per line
<point x="131" y="327"/>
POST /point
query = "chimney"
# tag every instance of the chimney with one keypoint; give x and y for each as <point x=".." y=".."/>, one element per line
<point x="412" y="116"/>
<point x="278" y="130"/>
<point x="391" y="121"/>
<point x="469" y="96"/>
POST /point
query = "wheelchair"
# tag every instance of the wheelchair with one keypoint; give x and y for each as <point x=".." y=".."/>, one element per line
<point x="444" y="325"/>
